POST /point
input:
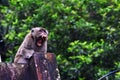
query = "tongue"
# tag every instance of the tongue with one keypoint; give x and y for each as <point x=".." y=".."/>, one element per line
<point x="39" y="43"/>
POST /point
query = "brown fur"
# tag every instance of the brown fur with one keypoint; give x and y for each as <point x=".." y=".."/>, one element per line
<point x="35" y="41"/>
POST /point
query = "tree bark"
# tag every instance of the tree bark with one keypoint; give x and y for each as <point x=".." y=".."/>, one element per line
<point x="40" y="67"/>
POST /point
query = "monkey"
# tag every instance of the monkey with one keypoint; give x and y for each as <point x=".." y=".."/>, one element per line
<point x="34" y="41"/>
<point x="40" y="36"/>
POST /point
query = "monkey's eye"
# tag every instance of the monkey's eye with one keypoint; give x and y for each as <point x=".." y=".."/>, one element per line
<point x="32" y="30"/>
<point x="42" y="30"/>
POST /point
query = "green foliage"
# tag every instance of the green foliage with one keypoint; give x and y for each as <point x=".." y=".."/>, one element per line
<point x="84" y="34"/>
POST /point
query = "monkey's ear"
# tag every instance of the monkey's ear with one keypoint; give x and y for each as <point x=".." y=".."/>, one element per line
<point x="32" y="30"/>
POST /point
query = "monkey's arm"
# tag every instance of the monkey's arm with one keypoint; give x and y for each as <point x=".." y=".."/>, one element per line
<point x="23" y="55"/>
<point x="27" y="53"/>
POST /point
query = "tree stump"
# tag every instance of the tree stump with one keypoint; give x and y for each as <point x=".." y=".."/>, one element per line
<point x="40" y="67"/>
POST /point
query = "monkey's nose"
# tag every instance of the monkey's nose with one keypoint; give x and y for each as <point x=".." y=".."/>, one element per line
<point x="44" y="36"/>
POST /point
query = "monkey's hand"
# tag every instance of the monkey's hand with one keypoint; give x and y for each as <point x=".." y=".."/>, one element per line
<point x="27" y="53"/>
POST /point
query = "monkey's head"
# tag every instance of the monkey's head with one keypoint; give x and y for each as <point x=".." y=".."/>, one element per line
<point x="40" y="35"/>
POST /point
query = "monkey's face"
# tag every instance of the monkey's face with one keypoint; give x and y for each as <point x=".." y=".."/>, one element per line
<point x="40" y="35"/>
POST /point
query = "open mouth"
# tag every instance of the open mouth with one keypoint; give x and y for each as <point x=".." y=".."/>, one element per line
<point x="40" y="40"/>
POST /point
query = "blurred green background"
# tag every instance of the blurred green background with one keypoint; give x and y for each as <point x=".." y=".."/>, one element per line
<point x="84" y="34"/>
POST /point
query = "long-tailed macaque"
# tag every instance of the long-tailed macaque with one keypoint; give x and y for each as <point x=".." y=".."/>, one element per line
<point x="35" y="41"/>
